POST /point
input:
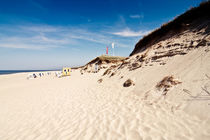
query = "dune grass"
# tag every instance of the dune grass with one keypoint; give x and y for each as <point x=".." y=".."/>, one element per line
<point x="111" y="58"/>
<point x="107" y="59"/>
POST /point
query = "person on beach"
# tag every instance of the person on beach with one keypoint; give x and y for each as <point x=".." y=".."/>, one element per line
<point x="34" y="75"/>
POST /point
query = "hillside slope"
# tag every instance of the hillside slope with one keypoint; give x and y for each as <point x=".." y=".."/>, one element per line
<point x="194" y="20"/>
<point x="175" y="55"/>
<point x="102" y="62"/>
<point x="165" y="83"/>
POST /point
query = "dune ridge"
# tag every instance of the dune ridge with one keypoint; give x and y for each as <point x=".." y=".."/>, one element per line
<point x="196" y="18"/>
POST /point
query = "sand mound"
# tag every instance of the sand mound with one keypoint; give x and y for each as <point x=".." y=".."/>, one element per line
<point x="101" y="62"/>
<point x="195" y="19"/>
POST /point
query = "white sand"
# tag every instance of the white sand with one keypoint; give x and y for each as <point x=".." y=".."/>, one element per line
<point x="78" y="107"/>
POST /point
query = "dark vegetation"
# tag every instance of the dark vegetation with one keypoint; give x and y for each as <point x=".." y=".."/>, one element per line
<point x="101" y="60"/>
<point x="100" y="80"/>
<point x="168" y="54"/>
<point x="128" y="83"/>
<point x="106" y="59"/>
<point x="166" y="83"/>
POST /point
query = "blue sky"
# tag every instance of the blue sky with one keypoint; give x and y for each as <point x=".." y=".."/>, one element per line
<point x="50" y="34"/>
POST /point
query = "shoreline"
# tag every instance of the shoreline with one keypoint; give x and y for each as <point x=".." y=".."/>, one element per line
<point x="8" y="72"/>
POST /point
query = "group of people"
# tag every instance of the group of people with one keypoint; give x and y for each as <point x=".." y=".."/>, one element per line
<point x="33" y="75"/>
<point x="58" y="74"/>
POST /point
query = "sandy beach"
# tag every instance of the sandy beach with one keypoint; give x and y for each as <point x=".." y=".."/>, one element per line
<point x="79" y="107"/>
<point x="161" y="91"/>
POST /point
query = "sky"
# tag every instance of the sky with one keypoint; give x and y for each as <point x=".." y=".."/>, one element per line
<point x="51" y="34"/>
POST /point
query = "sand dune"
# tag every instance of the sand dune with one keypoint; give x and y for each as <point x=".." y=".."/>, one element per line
<point x="78" y="107"/>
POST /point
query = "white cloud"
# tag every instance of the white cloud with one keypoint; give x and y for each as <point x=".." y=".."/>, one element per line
<point x="32" y="43"/>
<point x="39" y="28"/>
<point x="137" y="16"/>
<point x="25" y="46"/>
<point x="129" y="33"/>
<point x="33" y="37"/>
<point x="43" y="37"/>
